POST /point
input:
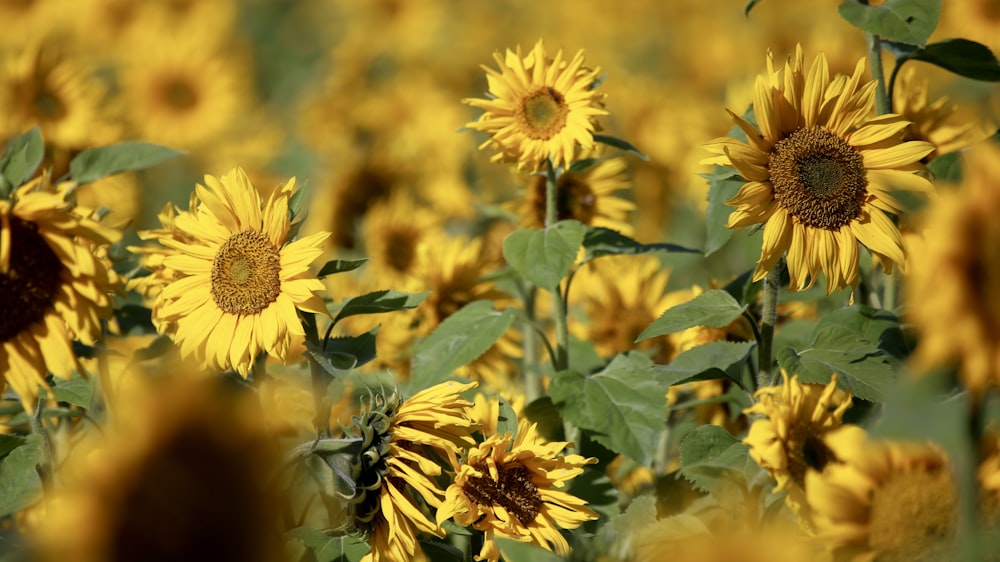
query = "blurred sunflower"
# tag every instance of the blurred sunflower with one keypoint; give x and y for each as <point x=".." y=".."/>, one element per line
<point x="885" y="500"/>
<point x="938" y="123"/>
<point x="820" y="173"/>
<point x="509" y="486"/>
<point x="238" y="281"/>
<point x="588" y="197"/>
<point x="393" y="231"/>
<point x="790" y="436"/>
<point x="397" y="473"/>
<point x="56" y="284"/>
<point x="953" y="291"/>
<point x="538" y="109"/>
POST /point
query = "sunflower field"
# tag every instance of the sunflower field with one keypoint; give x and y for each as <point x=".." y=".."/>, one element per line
<point x="393" y="280"/>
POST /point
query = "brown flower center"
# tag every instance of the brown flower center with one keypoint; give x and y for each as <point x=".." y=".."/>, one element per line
<point x="913" y="515"/>
<point x="401" y="249"/>
<point x="818" y="178"/>
<point x="513" y="490"/>
<point x="32" y="282"/>
<point x="179" y="94"/>
<point x="246" y="273"/>
<point x="542" y="113"/>
<point x="574" y="199"/>
<point x="807" y="450"/>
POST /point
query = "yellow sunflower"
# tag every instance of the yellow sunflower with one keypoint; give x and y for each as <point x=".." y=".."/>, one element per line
<point x="789" y="437"/>
<point x="588" y="197"/>
<point x="821" y="171"/>
<point x="510" y="487"/>
<point x="56" y="284"/>
<point x="237" y="279"/>
<point x="393" y="230"/>
<point x="397" y="477"/>
<point x="885" y="500"/>
<point x="538" y="109"/>
<point x="953" y="291"/>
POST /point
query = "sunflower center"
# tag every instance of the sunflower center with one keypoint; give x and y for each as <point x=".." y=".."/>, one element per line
<point x="913" y="515"/>
<point x="982" y="271"/>
<point x="807" y="450"/>
<point x="513" y="490"/>
<point x="401" y="249"/>
<point x="179" y="94"/>
<point x="542" y="113"/>
<point x="818" y="178"/>
<point x="246" y="273"/>
<point x="48" y="106"/>
<point x="31" y="283"/>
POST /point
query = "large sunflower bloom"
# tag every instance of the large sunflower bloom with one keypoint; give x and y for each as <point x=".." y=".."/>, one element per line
<point x="821" y="170"/>
<point x="539" y="108"/>
<point x="509" y="486"/>
<point x="886" y="500"/>
<point x="56" y="284"/>
<point x="789" y="438"/>
<point x="237" y="280"/>
<point x="397" y="470"/>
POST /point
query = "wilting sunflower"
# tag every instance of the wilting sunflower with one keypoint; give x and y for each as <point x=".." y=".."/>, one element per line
<point x="821" y="171"/>
<point x="538" y="108"/>
<point x="953" y="292"/>
<point x="56" y="284"/>
<point x="237" y="279"/>
<point x="885" y="500"/>
<point x="509" y="487"/>
<point x="790" y="437"/>
<point x="588" y="197"/>
<point x="396" y="477"/>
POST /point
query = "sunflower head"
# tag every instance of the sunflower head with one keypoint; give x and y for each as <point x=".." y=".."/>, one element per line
<point x="821" y="172"/>
<point x="539" y="109"/>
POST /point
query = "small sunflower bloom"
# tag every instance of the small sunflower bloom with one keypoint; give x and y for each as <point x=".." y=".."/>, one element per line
<point x="886" y="500"/>
<point x="56" y="284"/>
<point x="538" y="108"/>
<point x="237" y="280"/>
<point x="510" y="486"/>
<point x="821" y="172"/>
<point x="788" y="438"/>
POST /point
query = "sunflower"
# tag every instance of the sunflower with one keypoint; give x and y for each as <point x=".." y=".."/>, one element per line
<point x="56" y="284"/>
<point x="393" y="230"/>
<point x="539" y="109"/>
<point x="789" y="438"/>
<point x="820" y="173"/>
<point x="588" y="197"/>
<point x="509" y="486"/>
<point x="885" y="500"/>
<point x="237" y="280"/>
<point x="953" y="291"/>
<point x="938" y="123"/>
<point x="397" y="471"/>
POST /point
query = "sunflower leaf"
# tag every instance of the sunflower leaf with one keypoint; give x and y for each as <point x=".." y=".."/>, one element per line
<point x="906" y="21"/>
<point x="620" y="144"/>
<point x="714" y="309"/>
<point x="711" y="459"/>
<point x="326" y="548"/>
<point x="506" y="417"/>
<point x="963" y="57"/>
<point x="77" y="391"/>
<point x="458" y="340"/>
<point x="340" y="266"/>
<point x="96" y="163"/>
<point x="624" y="405"/>
<point x="720" y="190"/>
<point x="20" y="159"/>
<point x="600" y="241"/>
<point x="713" y="360"/>
<point x="544" y="256"/>
<point x="946" y="168"/>
<point x="344" y="353"/>
<point x="386" y="300"/>
<point x="19" y="481"/>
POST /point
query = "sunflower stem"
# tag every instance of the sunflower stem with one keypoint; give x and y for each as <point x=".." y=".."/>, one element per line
<point x="47" y="458"/>
<point x="551" y="217"/>
<point x="768" y="317"/>
<point x="874" y="45"/>
<point x="532" y="378"/>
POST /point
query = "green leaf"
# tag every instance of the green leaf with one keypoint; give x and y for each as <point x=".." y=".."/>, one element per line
<point x="20" y="159"/>
<point x="546" y="414"/>
<point x="620" y="144"/>
<point x="340" y="266"/>
<point x="906" y="21"/>
<point x="863" y="368"/>
<point x="387" y="300"/>
<point x="296" y="201"/>
<point x="581" y="166"/>
<point x="963" y="57"/>
<point x="544" y="256"/>
<point x="749" y="6"/>
<point x="19" y="481"/>
<point x="946" y="168"/>
<point x="712" y="458"/>
<point x="506" y="417"/>
<point x="458" y="340"/>
<point x="325" y="548"/>
<point x="714" y="309"/>
<point x="518" y="551"/>
<point x="77" y="391"/>
<point x="713" y="360"/>
<point x="717" y="214"/>
<point x="624" y="405"/>
<point x="95" y="163"/>
<point x="8" y="443"/>
<point x="342" y="354"/>
<point x="600" y="241"/>
<point x="160" y="345"/>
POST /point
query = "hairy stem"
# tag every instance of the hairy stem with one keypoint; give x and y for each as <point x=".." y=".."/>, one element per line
<point x="768" y="318"/>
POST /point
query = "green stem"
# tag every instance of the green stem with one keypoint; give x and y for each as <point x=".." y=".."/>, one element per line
<point x="551" y="193"/>
<point x="874" y="45"/>
<point x="532" y="377"/>
<point x="47" y="459"/>
<point x="320" y="378"/>
<point x="768" y="318"/>
<point x="559" y="299"/>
